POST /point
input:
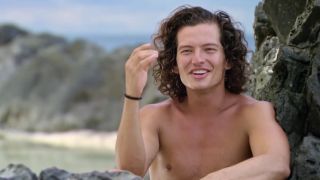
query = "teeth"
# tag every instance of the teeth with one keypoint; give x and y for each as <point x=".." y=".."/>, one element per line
<point x="199" y="71"/>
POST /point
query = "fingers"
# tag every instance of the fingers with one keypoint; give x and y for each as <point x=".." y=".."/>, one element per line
<point x="143" y="51"/>
<point x="137" y="66"/>
<point x="148" y="61"/>
<point x="143" y="47"/>
<point x="143" y="57"/>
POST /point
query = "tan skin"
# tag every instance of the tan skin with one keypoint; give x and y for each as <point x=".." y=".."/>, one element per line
<point x="212" y="134"/>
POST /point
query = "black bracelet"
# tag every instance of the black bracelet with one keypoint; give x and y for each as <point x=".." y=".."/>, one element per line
<point x="132" y="97"/>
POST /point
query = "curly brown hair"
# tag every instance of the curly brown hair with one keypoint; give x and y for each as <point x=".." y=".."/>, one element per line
<point x="165" y="41"/>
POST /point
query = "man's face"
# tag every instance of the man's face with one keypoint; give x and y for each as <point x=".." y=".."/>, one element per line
<point x="200" y="57"/>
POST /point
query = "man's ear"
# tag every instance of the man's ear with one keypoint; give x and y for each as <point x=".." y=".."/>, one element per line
<point x="227" y="65"/>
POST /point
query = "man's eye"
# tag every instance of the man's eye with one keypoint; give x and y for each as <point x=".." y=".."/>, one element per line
<point x="186" y="51"/>
<point x="210" y="50"/>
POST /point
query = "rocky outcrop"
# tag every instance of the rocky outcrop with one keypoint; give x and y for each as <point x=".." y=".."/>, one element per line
<point x="8" y="32"/>
<point x="283" y="15"/>
<point x="17" y="172"/>
<point x="21" y="172"/>
<point x="50" y="84"/>
<point x="287" y="72"/>
<point x="59" y="174"/>
<point x="307" y="159"/>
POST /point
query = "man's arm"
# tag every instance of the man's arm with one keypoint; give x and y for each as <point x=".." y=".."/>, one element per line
<point x="137" y="140"/>
<point x="269" y="146"/>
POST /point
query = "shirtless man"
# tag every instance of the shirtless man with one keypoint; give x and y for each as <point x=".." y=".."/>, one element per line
<point x="207" y="129"/>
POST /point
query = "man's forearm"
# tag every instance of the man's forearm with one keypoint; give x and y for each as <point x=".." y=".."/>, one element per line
<point x="263" y="167"/>
<point x="130" y="152"/>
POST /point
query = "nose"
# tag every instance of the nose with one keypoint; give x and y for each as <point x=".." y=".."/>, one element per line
<point x="197" y="58"/>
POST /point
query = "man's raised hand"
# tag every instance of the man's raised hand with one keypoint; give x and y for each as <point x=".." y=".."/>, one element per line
<point x="136" y="68"/>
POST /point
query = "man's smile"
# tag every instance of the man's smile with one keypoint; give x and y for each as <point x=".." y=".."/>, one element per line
<point x="199" y="73"/>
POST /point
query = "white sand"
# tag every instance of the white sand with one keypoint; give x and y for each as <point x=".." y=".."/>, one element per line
<point x="86" y="139"/>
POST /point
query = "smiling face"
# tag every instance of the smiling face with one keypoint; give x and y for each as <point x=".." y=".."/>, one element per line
<point x="200" y="57"/>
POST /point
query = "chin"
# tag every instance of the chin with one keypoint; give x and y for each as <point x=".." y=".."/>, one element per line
<point x="199" y="88"/>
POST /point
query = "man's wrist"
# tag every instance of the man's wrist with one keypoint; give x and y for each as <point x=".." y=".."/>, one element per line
<point x="135" y="98"/>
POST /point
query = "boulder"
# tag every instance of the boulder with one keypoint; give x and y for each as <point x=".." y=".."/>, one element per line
<point x="60" y="174"/>
<point x="9" y="31"/>
<point x="305" y="31"/>
<point x="17" y="172"/>
<point x="262" y="26"/>
<point x="21" y="172"/>
<point x="307" y="164"/>
<point x="283" y="14"/>
<point x="313" y="95"/>
<point x="287" y="73"/>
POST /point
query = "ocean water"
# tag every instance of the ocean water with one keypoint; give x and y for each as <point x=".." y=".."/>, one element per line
<point x="112" y="42"/>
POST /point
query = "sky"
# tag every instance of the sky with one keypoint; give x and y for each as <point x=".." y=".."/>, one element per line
<point x="110" y="17"/>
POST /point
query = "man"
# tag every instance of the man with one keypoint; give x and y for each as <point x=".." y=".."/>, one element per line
<point x="207" y="129"/>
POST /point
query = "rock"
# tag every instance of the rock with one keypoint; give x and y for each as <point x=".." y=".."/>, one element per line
<point x="283" y="14"/>
<point x="287" y="73"/>
<point x="17" y="172"/>
<point x="305" y="31"/>
<point x="307" y="162"/>
<point x="8" y="32"/>
<point x="52" y="71"/>
<point x="59" y="174"/>
<point x="21" y="172"/>
<point x="265" y="59"/>
<point x="313" y="95"/>
<point x="262" y="26"/>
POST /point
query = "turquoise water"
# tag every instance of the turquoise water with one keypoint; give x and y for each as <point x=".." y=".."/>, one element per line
<point x="38" y="157"/>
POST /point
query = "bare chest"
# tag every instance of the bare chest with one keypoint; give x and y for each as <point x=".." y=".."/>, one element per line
<point x="191" y="150"/>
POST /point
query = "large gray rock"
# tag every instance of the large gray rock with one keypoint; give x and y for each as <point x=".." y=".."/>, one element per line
<point x="313" y="95"/>
<point x="282" y="15"/>
<point x="307" y="161"/>
<point x="287" y="73"/>
<point x="21" y="172"/>
<point x="305" y="32"/>
<point x="262" y="26"/>
<point x="17" y="172"/>
<point x="60" y="174"/>
<point x="8" y="32"/>
<point x="55" y="85"/>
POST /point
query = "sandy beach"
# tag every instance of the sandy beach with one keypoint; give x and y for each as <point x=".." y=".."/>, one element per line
<point x="85" y="139"/>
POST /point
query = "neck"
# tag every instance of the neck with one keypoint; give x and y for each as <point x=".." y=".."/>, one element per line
<point x="202" y="102"/>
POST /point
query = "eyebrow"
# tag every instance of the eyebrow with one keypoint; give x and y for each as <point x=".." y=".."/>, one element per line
<point x="212" y="44"/>
<point x="184" y="46"/>
<point x="204" y="45"/>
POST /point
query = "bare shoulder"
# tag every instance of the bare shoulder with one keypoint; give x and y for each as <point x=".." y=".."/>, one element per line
<point x="250" y="106"/>
<point x="255" y="111"/>
<point x="264" y="132"/>
<point x="157" y="110"/>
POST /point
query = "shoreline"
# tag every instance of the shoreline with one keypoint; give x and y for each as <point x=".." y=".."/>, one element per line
<point x="83" y="139"/>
